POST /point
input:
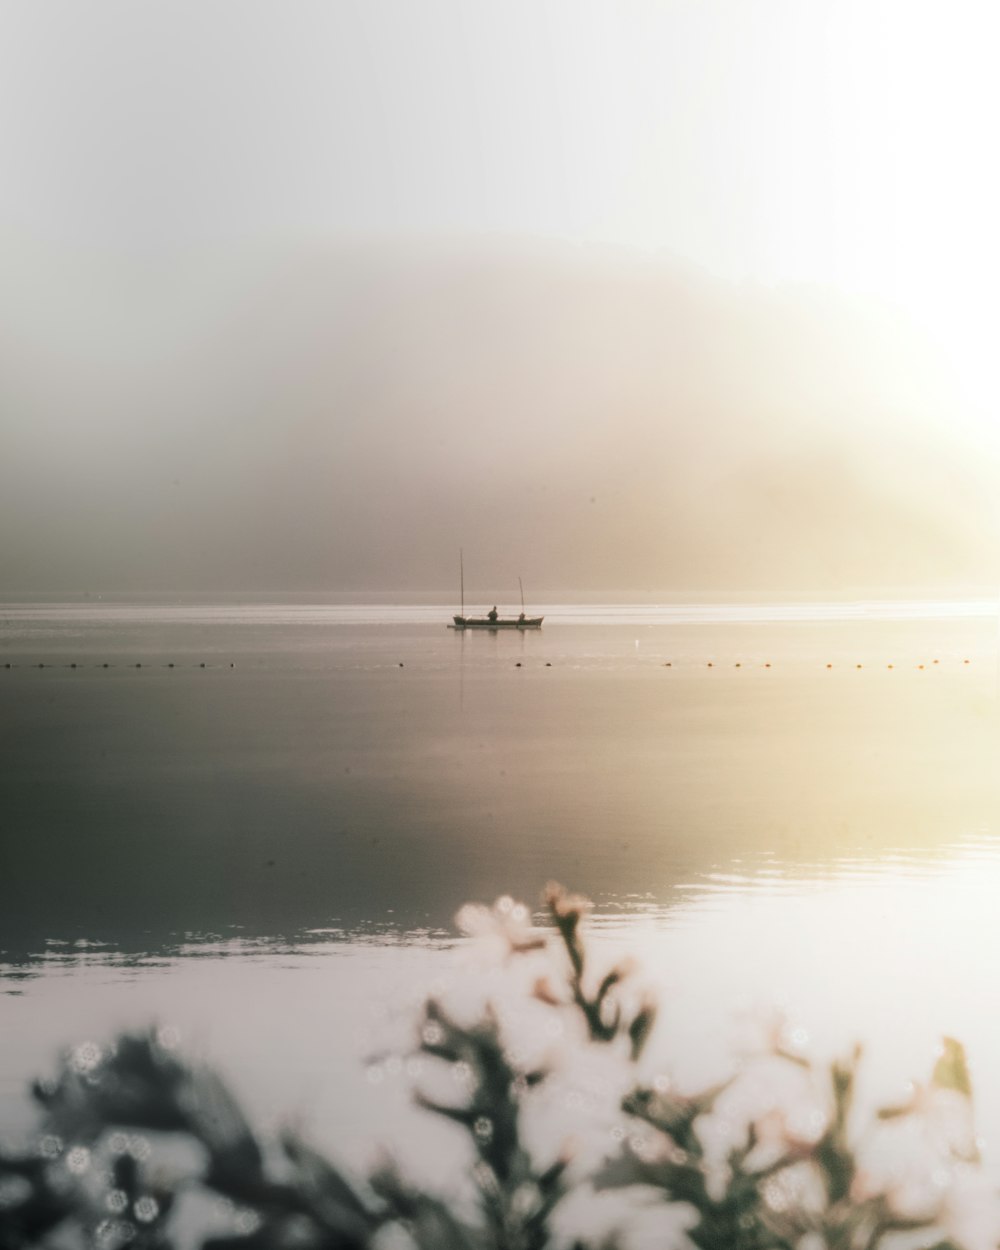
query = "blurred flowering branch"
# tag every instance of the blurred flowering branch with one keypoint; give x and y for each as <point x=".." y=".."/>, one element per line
<point x="601" y="1012"/>
<point x="131" y="1136"/>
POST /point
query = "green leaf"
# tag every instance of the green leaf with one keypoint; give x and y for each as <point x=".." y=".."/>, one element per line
<point x="952" y="1069"/>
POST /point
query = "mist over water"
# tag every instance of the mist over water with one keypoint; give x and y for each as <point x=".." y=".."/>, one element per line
<point x="264" y="769"/>
<point x="260" y="819"/>
<point x="335" y="416"/>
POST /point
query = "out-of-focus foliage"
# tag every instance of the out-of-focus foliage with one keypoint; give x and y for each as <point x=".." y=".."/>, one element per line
<point x="133" y="1140"/>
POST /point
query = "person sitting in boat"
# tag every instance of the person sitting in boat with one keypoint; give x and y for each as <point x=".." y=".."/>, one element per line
<point x="493" y="613"/>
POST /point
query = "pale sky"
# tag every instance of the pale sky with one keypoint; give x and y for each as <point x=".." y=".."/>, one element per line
<point x="151" y="151"/>
<point x="835" y="141"/>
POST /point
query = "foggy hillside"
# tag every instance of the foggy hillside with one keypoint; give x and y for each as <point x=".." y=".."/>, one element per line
<point x="345" y="419"/>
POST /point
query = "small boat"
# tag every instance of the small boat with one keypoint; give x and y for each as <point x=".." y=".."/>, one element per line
<point x="492" y="620"/>
<point x="499" y="622"/>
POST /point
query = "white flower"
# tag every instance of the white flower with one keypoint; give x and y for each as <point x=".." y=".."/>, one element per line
<point x="971" y="1213"/>
<point x="505" y="928"/>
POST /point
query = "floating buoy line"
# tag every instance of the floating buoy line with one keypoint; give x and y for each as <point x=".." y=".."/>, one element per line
<point x="202" y="664"/>
<point x="108" y="664"/>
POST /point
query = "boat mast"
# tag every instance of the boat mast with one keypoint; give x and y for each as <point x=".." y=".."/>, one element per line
<point x="461" y="576"/>
<point x="521" y="584"/>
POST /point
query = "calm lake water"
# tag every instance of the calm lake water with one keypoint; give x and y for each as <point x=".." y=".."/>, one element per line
<point x="257" y="821"/>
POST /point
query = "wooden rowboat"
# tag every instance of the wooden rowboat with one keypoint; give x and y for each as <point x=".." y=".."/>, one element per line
<point x="501" y="622"/>
<point x="492" y="620"/>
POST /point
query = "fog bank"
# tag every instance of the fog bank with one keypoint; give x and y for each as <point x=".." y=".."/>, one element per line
<point x="346" y="417"/>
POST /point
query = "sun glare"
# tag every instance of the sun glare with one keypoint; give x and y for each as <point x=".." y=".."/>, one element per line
<point x="914" y="121"/>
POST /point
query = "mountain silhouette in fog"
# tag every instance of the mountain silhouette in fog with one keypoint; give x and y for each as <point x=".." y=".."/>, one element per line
<point x="345" y="418"/>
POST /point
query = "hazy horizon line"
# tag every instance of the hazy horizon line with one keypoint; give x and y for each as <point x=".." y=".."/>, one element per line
<point x="436" y="596"/>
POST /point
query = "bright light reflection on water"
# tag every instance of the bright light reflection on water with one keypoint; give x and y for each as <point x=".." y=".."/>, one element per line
<point x="265" y="853"/>
<point x="895" y="955"/>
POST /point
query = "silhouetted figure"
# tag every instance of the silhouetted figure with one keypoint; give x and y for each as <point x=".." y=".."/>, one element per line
<point x="493" y="613"/>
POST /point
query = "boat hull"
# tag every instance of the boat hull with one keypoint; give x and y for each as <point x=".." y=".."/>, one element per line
<point x="476" y="622"/>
